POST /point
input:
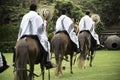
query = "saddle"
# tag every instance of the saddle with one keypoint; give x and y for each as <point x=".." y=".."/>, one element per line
<point x="93" y="41"/>
<point x="73" y="44"/>
<point x="35" y="37"/>
<point x="62" y="32"/>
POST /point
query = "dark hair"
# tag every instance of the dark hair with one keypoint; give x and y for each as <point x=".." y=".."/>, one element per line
<point x="87" y="12"/>
<point x="63" y="11"/>
<point x="33" y="7"/>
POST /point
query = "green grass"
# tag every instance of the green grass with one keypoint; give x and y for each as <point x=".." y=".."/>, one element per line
<point x="106" y="66"/>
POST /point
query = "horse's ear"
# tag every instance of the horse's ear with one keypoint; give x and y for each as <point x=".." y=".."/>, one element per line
<point x="76" y="26"/>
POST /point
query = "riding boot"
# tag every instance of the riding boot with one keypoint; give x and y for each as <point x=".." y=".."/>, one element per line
<point x="77" y="50"/>
<point x="98" y="46"/>
<point x="4" y="63"/>
<point x="48" y="63"/>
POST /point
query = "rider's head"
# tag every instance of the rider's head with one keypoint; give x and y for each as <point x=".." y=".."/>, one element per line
<point x="87" y="12"/>
<point x="33" y="7"/>
<point x="63" y="11"/>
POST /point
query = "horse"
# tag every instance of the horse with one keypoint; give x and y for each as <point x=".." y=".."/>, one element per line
<point x="87" y="47"/>
<point x="28" y="51"/>
<point x="62" y="46"/>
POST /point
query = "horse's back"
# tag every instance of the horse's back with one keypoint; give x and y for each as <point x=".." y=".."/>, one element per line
<point x="31" y="43"/>
<point x="84" y="34"/>
<point x="31" y="46"/>
<point x="61" y="36"/>
<point x="27" y="52"/>
<point x="60" y="40"/>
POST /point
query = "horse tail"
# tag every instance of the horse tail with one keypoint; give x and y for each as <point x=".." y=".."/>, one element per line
<point x="85" y="48"/>
<point x="81" y="59"/>
<point x="81" y="62"/>
<point x="21" y="61"/>
<point x="57" y="51"/>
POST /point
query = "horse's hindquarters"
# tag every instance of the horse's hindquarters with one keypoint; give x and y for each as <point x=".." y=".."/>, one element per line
<point x="27" y="51"/>
<point x="61" y="45"/>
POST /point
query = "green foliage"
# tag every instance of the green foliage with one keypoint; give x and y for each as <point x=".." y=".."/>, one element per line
<point x="99" y="27"/>
<point x="73" y="11"/>
<point x="11" y="13"/>
<point x="8" y="37"/>
<point x="109" y="10"/>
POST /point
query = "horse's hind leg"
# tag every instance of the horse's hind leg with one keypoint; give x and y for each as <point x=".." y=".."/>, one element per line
<point x="59" y="67"/>
<point x="71" y="71"/>
<point x="91" y="58"/>
<point x="31" y="76"/>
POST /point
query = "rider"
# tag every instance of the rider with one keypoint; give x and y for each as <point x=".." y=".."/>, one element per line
<point x="33" y="24"/>
<point x="3" y="63"/>
<point x="64" y="23"/>
<point x="87" y="23"/>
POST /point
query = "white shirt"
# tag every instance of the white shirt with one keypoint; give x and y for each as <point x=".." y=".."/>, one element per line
<point x="33" y="24"/>
<point x="63" y="23"/>
<point x="86" y="23"/>
<point x="30" y="24"/>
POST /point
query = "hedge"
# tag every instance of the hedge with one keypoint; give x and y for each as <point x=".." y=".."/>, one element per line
<point x="7" y="47"/>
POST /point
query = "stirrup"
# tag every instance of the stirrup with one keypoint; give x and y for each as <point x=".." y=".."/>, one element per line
<point x="50" y="65"/>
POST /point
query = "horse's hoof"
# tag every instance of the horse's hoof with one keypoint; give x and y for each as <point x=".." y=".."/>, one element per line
<point x="71" y="72"/>
<point x="90" y="65"/>
<point x="87" y="58"/>
<point x="63" y="68"/>
<point x="84" y="67"/>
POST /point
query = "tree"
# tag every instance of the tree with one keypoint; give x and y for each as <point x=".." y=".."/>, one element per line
<point x="73" y="11"/>
<point x="11" y="12"/>
<point x="109" y="10"/>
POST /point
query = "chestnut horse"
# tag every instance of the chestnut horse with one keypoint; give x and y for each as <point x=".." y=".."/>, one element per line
<point x="62" y="46"/>
<point x="28" y="51"/>
<point x="87" y="46"/>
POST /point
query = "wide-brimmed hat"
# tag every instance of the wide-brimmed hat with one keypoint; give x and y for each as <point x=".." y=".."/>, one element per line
<point x="95" y="18"/>
<point x="45" y="13"/>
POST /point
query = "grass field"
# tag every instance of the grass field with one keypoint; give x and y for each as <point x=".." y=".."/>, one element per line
<point x="106" y="66"/>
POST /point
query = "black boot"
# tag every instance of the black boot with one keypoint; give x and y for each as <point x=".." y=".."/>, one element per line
<point x="5" y="66"/>
<point x="98" y="46"/>
<point x="48" y="64"/>
<point x="78" y="50"/>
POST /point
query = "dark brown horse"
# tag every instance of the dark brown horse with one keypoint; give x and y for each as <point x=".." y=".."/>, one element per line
<point x="28" y="52"/>
<point x="62" y="46"/>
<point x="87" y="46"/>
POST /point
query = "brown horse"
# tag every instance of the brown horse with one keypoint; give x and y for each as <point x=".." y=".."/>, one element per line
<point x="87" y="46"/>
<point x="62" y="46"/>
<point x="28" y="52"/>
